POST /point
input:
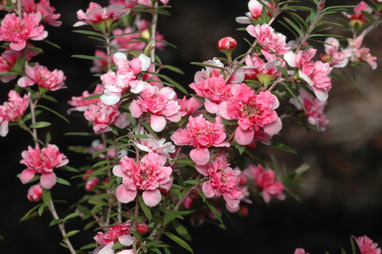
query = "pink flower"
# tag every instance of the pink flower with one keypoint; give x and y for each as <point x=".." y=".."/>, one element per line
<point x="100" y="66"/>
<point x="12" y="110"/>
<point x="367" y="246"/>
<point x="130" y="41"/>
<point x="8" y="60"/>
<point x="148" y="175"/>
<point x="202" y="134"/>
<point x="255" y="11"/>
<point x="125" y="78"/>
<point x="300" y="251"/>
<point x="42" y="161"/>
<point x="222" y="181"/>
<point x="358" y="17"/>
<point x="361" y="54"/>
<point x="269" y="41"/>
<point x="254" y="111"/>
<point x="314" y="107"/>
<point x="18" y="32"/>
<point x="142" y="228"/>
<point x="148" y="3"/>
<point x="47" y="11"/>
<point x="117" y="233"/>
<point x="96" y="14"/>
<point x="256" y="68"/>
<point x="102" y="116"/>
<point x="336" y="58"/>
<point x="189" y="106"/>
<point x="128" y="3"/>
<point x="265" y="180"/>
<point x="227" y="44"/>
<point x="82" y="105"/>
<point x="160" y="103"/>
<point x="40" y="75"/>
<point x="160" y="146"/>
<point x="90" y="181"/>
<point x="34" y="193"/>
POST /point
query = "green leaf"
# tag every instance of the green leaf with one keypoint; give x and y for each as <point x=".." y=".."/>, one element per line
<point x="282" y="146"/>
<point x="182" y="230"/>
<point x="79" y="149"/>
<point x="141" y="136"/>
<point x="9" y="74"/>
<point x="63" y="181"/>
<point x="215" y="212"/>
<point x="174" y="83"/>
<point x="54" y="112"/>
<point x="41" y="124"/>
<point x="71" y="233"/>
<point x="173" y="68"/>
<point x="192" y="182"/>
<point x="92" y="58"/>
<point x="52" y="44"/>
<point x="69" y="169"/>
<point x="41" y="210"/>
<point x="79" y="134"/>
<point x="54" y="222"/>
<point x="88" y="33"/>
<point x="89" y="246"/>
<point x="294" y="96"/>
<point x="352" y="245"/>
<point x="31" y="213"/>
<point x="149" y="129"/>
<point x="117" y="246"/>
<point x="144" y="208"/>
<point x="93" y="96"/>
<point x="71" y="216"/>
<point x="172" y="213"/>
<point x="89" y="225"/>
<point x="179" y="241"/>
<point x="46" y="196"/>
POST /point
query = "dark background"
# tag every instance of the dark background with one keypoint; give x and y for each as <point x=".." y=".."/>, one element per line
<point x="343" y="188"/>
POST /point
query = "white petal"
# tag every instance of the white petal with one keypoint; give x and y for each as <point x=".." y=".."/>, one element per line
<point x="145" y="62"/>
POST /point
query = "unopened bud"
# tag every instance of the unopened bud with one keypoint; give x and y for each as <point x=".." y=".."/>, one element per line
<point x="244" y="210"/>
<point x="227" y="44"/>
<point x="34" y="193"/>
<point x="142" y="228"/>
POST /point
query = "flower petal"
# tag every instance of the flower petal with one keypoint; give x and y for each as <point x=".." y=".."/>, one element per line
<point x="48" y="180"/>
<point x="200" y="156"/>
<point x="123" y="195"/>
<point x="152" y="198"/>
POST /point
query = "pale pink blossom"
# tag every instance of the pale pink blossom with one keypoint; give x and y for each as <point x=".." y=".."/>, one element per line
<point x="128" y="3"/>
<point x="42" y="161"/>
<point x="367" y="246"/>
<point x="12" y="110"/>
<point x="103" y="116"/>
<point x="314" y="109"/>
<point x="265" y="180"/>
<point x="271" y="43"/>
<point x="148" y="3"/>
<point x="300" y="58"/>
<point x="160" y="103"/>
<point x="256" y="68"/>
<point x="18" y="32"/>
<point x="358" y="17"/>
<point x="222" y="181"/>
<point x="40" y="75"/>
<point x="129" y="41"/>
<point x="361" y="54"/>
<point x="159" y="146"/>
<point x="100" y="65"/>
<point x="125" y="79"/>
<point x="255" y="11"/>
<point x="116" y="233"/>
<point x="335" y="57"/>
<point x="189" y="106"/>
<point x="35" y="193"/>
<point x="300" y="251"/>
<point x="47" y="11"/>
<point x="148" y="175"/>
<point x="80" y="104"/>
<point x="202" y="134"/>
<point x="253" y="111"/>
<point x="96" y="14"/>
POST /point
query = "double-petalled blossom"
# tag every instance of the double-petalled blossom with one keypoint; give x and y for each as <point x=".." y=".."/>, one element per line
<point x="158" y="146"/>
<point x="43" y="7"/>
<point x="314" y="109"/>
<point x="360" y="53"/>
<point x="117" y="233"/>
<point x="189" y="106"/>
<point x="148" y="175"/>
<point x="202" y="134"/>
<point x="333" y="55"/>
<point x="367" y="246"/>
<point x="18" y="31"/>
<point x="42" y="161"/>
<point x="8" y="60"/>
<point x="222" y="181"/>
<point x="265" y="180"/>
<point x="255" y="11"/>
<point x="12" y="110"/>
<point x="257" y="69"/>
<point x="103" y="116"/>
<point x="96" y="14"/>
<point x="81" y="104"/>
<point x="40" y="75"/>
<point x="125" y="78"/>
<point x="160" y="103"/>
<point x="253" y="111"/>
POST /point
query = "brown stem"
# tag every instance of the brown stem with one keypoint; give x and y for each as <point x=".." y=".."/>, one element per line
<point x="136" y="214"/>
<point x="154" y="30"/>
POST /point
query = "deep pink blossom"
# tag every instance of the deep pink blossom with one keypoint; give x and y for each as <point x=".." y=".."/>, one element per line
<point x="255" y="11"/>
<point x="334" y="56"/>
<point x="189" y="106"/>
<point x="80" y="104"/>
<point x="202" y="134"/>
<point x="35" y="193"/>
<point x="40" y="75"/>
<point x="358" y="17"/>
<point x="222" y="181"/>
<point x="42" y="161"/>
<point x="300" y="251"/>
<point x="148" y="175"/>
<point x="18" y="32"/>
<point x="103" y="116"/>
<point x="367" y="246"/>
<point x="47" y="11"/>
<point x="117" y="233"/>
<point x="160" y="103"/>
<point x="226" y="44"/>
<point x="256" y="68"/>
<point x="12" y="110"/>
<point x="265" y="180"/>
<point x="360" y="53"/>
<point x="314" y="109"/>
<point x="96" y="14"/>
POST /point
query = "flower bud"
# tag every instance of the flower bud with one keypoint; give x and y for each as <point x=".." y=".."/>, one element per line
<point x="142" y="228"/>
<point x="34" y="193"/>
<point x="243" y="210"/>
<point x="227" y="44"/>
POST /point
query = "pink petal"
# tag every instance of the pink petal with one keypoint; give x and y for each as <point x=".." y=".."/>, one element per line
<point x="145" y="62"/>
<point x="223" y="112"/>
<point x="18" y="46"/>
<point x="202" y="169"/>
<point x="135" y="109"/>
<point x="4" y="128"/>
<point x="200" y="156"/>
<point x="244" y="137"/>
<point x="157" y="123"/>
<point x="122" y="121"/>
<point x="251" y="30"/>
<point x="126" y="240"/>
<point x="273" y="128"/>
<point x="117" y="171"/>
<point x="123" y="195"/>
<point x="211" y="107"/>
<point x="152" y="198"/>
<point x="48" y="180"/>
<point x="208" y="190"/>
<point x="24" y="82"/>
<point x="321" y="94"/>
<point x="26" y="175"/>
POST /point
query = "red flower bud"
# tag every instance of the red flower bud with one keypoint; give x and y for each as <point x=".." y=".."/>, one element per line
<point x="243" y="210"/>
<point x="34" y="193"/>
<point x="142" y="228"/>
<point x="227" y="44"/>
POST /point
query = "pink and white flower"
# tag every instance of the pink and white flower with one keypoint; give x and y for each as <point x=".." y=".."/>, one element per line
<point x="335" y="57"/>
<point x="361" y="54"/>
<point x="314" y="109"/>
<point x="189" y="106"/>
<point x="358" y="17"/>
<point x="130" y="41"/>
<point x="117" y="233"/>
<point x="160" y="103"/>
<point x="103" y="116"/>
<point x="12" y="110"/>
<point x="40" y="75"/>
<point x="148" y="3"/>
<point x="90" y="181"/>
<point x="158" y="146"/>
<point x="300" y="251"/>
<point x="42" y="161"/>
<point x="255" y="11"/>
<point x="82" y="105"/>
<point x="367" y="246"/>
<point x="18" y="32"/>
<point x="265" y="180"/>
<point x="43" y="7"/>
<point x="35" y="193"/>
<point x="257" y="69"/>
<point x="202" y="134"/>
<point x="222" y="181"/>
<point x="148" y="175"/>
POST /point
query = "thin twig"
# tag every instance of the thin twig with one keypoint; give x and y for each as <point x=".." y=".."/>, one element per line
<point x="154" y="30"/>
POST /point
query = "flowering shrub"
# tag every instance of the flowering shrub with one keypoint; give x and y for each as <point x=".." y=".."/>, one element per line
<point x="163" y="155"/>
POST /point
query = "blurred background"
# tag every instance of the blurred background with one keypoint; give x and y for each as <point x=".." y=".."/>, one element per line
<point x="343" y="194"/>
